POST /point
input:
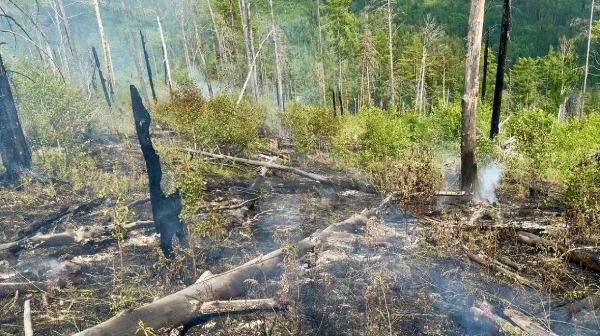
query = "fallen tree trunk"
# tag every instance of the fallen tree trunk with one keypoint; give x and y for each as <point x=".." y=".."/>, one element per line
<point x="484" y="314"/>
<point x="581" y="256"/>
<point x="488" y="262"/>
<point x="234" y="306"/>
<point x="65" y="238"/>
<point x="27" y="326"/>
<point x="185" y="305"/>
<point x="529" y="326"/>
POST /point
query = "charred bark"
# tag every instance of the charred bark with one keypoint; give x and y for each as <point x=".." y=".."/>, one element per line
<point x="148" y="67"/>
<point x="334" y="104"/>
<point x="14" y="151"/>
<point x="495" y="127"/>
<point x="102" y="79"/>
<point x="486" y="57"/>
<point x="165" y="209"/>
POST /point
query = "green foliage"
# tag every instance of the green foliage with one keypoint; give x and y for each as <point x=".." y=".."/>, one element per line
<point x="311" y="127"/>
<point x="53" y="113"/>
<point x="552" y="149"/>
<point x="212" y="123"/>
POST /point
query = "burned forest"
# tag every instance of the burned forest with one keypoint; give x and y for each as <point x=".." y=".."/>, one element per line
<point x="299" y="167"/>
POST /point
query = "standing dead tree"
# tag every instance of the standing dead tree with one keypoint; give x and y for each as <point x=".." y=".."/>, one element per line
<point x="391" y="54"/>
<point x="249" y="43"/>
<point x="71" y="43"/>
<point x="165" y="55"/>
<point x="486" y="58"/>
<point x="469" y="99"/>
<point x="101" y="75"/>
<point x="148" y="67"/>
<point x="134" y="49"/>
<point x="587" y="62"/>
<point x="165" y="209"/>
<point x="110" y="72"/>
<point x="278" y="74"/>
<point x="200" y="49"/>
<point x="495" y="128"/>
<point x="14" y="151"/>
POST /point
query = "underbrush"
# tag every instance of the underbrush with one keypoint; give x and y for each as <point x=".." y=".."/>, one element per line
<point x="311" y="128"/>
<point x="215" y="123"/>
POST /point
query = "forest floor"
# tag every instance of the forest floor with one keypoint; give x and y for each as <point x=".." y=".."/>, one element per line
<point x="407" y="272"/>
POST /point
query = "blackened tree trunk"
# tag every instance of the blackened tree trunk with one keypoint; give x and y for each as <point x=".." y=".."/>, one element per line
<point x="101" y="75"/>
<point x="14" y="150"/>
<point x="495" y="129"/>
<point x="165" y="209"/>
<point x="334" y="104"/>
<point x="341" y="101"/>
<point x="148" y="67"/>
<point x="486" y="59"/>
<point x="469" y="100"/>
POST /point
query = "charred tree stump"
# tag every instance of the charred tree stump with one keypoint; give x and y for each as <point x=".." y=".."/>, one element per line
<point x="165" y="209"/>
<point x="148" y="67"/>
<point x="14" y="151"/>
<point x="101" y="75"/>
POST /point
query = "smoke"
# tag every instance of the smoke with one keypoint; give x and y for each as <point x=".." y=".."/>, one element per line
<point x="488" y="181"/>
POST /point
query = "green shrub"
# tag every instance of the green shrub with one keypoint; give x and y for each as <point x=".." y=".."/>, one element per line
<point x="311" y="127"/>
<point x="53" y="113"/>
<point x="216" y="122"/>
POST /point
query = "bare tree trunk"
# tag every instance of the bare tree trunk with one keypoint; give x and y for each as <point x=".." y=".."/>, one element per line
<point x="221" y="50"/>
<point x="485" y="64"/>
<point x="200" y="49"/>
<point x="587" y="63"/>
<point x="165" y="55"/>
<point x="14" y="151"/>
<point x="248" y="40"/>
<point x="321" y="60"/>
<point x="110" y="72"/>
<point x="186" y="50"/>
<point x="421" y="81"/>
<point x="391" y="55"/>
<point x="278" y="74"/>
<point x="148" y="67"/>
<point x="469" y="99"/>
<point x="101" y="75"/>
<point x="334" y="103"/>
<point x="494" y="130"/>
<point x="72" y="44"/>
<point x="135" y="52"/>
<point x="165" y="209"/>
<point x="62" y="51"/>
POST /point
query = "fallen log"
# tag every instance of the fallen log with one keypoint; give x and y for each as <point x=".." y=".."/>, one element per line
<point x="183" y="306"/>
<point x="591" y="302"/>
<point x="488" y="262"/>
<point x="27" y="326"/>
<point x="344" y="183"/>
<point x="484" y="314"/>
<point x="234" y="306"/>
<point x="65" y="238"/>
<point x="529" y="326"/>
<point x="581" y="256"/>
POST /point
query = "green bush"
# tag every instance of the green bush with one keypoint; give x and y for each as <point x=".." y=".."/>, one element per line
<point x="216" y="122"/>
<point x="311" y="127"/>
<point x="54" y="113"/>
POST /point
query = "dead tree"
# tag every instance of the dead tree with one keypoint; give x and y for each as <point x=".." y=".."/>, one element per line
<point x="148" y="67"/>
<point x="495" y="129"/>
<point x="135" y="52"/>
<point x="587" y="62"/>
<point x="14" y="151"/>
<point x="222" y="54"/>
<point x="320" y="63"/>
<point x="200" y="49"/>
<point x="469" y="99"/>
<point x="110" y="72"/>
<point x="249" y="43"/>
<point x="334" y="104"/>
<point x="165" y="209"/>
<point x="486" y="58"/>
<point x="101" y="75"/>
<point x="165" y="55"/>
<point x="278" y="74"/>
<point x="391" y="54"/>
<point x="71" y="43"/>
